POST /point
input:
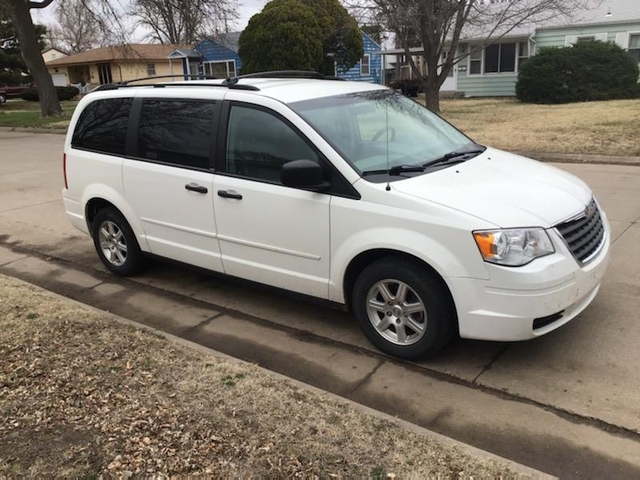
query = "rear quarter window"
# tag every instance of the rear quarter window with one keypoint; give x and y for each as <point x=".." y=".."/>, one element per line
<point x="102" y="126"/>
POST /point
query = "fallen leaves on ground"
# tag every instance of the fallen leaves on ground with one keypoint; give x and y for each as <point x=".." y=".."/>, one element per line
<point x="82" y="394"/>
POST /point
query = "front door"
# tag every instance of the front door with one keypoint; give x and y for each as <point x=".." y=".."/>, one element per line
<point x="104" y="73"/>
<point x="270" y="233"/>
<point x="169" y="182"/>
<point x="451" y="82"/>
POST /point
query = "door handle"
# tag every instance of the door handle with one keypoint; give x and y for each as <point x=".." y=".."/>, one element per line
<point x="194" y="187"/>
<point x="229" y="194"/>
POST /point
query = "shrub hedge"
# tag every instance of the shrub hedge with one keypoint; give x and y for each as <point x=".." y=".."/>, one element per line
<point x="64" y="93"/>
<point x="584" y="72"/>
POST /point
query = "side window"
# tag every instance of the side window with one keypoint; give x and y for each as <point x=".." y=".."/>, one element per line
<point x="175" y="131"/>
<point x="258" y="144"/>
<point x="102" y="126"/>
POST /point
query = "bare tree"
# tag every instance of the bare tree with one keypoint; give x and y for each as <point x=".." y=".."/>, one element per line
<point x="440" y="25"/>
<point x="184" y="21"/>
<point x="19" y="12"/>
<point x="107" y="11"/>
<point x="79" y="29"/>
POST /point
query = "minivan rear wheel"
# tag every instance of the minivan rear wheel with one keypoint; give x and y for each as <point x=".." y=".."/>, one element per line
<point x="403" y="308"/>
<point x="116" y="243"/>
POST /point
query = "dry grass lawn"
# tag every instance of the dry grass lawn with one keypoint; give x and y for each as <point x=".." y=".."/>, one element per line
<point x="82" y="395"/>
<point x="605" y="128"/>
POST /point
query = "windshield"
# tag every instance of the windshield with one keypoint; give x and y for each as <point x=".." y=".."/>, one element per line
<point x="381" y="129"/>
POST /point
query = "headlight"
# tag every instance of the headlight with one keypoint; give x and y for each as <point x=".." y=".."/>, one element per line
<point x="514" y="247"/>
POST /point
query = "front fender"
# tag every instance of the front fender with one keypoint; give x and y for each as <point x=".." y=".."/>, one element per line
<point x="456" y="258"/>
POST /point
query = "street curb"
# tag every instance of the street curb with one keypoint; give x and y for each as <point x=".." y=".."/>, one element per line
<point x="581" y="158"/>
<point x="57" y="131"/>
<point x="517" y="468"/>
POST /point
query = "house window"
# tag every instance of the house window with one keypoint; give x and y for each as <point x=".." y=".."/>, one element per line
<point x="500" y="58"/>
<point x="475" y="62"/>
<point x="523" y="53"/>
<point x="634" y="46"/>
<point x="151" y="69"/>
<point x="365" y="65"/>
<point x="222" y="69"/>
<point x="585" y="39"/>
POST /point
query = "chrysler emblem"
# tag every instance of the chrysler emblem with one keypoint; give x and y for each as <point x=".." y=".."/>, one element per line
<point x="588" y="210"/>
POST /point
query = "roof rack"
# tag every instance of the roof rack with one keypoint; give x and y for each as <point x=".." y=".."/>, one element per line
<point x="283" y="74"/>
<point x="127" y="84"/>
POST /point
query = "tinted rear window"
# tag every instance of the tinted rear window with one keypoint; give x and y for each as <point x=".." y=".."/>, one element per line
<point x="102" y="126"/>
<point x="177" y="132"/>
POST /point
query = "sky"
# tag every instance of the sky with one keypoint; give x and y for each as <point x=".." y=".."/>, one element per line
<point x="246" y="9"/>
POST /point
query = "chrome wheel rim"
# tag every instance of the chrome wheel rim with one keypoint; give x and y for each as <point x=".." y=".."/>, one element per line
<point x="396" y="312"/>
<point x="112" y="243"/>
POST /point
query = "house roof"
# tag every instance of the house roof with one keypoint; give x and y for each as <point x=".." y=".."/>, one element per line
<point x="139" y="51"/>
<point x="604" y="12"/>
<point x="184" y="53"/>
<point x="597" y="12"/>
<point x="54" y="49"/>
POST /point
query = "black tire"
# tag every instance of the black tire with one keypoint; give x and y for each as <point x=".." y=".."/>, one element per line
<point x="131" y="263"/>
<point x="438" y="316"/>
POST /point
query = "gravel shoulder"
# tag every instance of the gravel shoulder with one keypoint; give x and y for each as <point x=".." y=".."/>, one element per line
<point x="82" y="394"/>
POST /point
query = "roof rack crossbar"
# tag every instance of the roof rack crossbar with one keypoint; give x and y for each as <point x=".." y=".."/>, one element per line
<point x="282" y="74"/>
<point x="116" y="86"/>
<point x="177" y="75"/>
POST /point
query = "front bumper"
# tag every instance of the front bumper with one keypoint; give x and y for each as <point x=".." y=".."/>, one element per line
<point x="504" y="307"/>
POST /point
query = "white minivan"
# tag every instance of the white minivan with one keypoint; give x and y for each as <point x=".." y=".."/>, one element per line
<point x="343" y="191"/>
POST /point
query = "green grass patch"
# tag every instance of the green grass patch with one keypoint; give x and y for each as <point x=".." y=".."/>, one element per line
<point x="23" y="114"/>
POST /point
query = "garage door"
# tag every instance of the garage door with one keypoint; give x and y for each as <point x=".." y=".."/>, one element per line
<point x="59" y="79"/>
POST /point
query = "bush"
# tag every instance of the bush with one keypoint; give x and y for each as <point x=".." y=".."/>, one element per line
<point x="584" y="72"/>
<point x="64" y="93"/>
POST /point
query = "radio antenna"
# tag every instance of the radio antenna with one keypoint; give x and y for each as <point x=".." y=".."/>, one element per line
<point x="386" y="111"/>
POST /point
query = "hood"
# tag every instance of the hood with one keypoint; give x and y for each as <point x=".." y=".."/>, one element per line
<point x="502" y="188"/>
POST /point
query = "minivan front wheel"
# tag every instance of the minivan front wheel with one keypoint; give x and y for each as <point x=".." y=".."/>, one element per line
<point x="403" y="308"/>
<point x="116" y="243"/>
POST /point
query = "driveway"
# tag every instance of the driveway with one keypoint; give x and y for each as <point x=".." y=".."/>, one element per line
<point x="567" y="403"/>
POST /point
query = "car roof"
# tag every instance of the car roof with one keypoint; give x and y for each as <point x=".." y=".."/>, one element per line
<point x="286" y="90"/>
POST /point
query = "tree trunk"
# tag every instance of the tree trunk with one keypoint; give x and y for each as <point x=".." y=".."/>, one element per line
<point x="431" y="84"/>
<point x="21" y="17"/>
<point x="432" y="96"/>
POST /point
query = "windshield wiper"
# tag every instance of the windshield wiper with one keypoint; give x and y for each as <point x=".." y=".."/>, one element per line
<point x="455" y="154"/>
<point x="396" y="170"/>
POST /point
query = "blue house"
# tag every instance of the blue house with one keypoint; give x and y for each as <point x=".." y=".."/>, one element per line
<point x="217" y="58"/>
<point x="369" y="67"/>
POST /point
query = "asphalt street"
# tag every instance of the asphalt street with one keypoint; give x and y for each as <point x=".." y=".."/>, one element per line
<point x="567" y="403"/>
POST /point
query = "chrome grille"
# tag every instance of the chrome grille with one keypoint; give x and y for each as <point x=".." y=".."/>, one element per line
<point x="584" y="235"/>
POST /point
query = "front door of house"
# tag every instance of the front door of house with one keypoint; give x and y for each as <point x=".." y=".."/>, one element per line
<point x="451" y="82"/>
<point x="104" y="73"/>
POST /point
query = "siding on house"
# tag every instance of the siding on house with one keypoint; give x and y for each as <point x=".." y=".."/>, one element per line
<point x="566" y="36"/>
<point x="487" y="85"/>
<point x="213" y="51"/>
<point x="354" y="74"/>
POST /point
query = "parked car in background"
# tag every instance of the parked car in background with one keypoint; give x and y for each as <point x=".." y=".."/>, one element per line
<point x="7" y="92"/>
<point x="344" y="191"/>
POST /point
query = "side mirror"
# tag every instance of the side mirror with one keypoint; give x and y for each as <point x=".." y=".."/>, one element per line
<point x="303" y="174"/>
